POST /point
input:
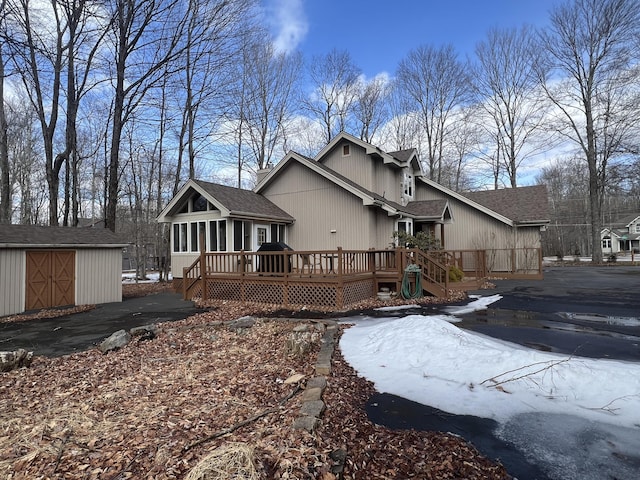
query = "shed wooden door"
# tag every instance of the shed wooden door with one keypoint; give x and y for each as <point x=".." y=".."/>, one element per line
<point x="50" y="279"/>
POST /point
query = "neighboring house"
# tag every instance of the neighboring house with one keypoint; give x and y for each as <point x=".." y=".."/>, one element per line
<point x="352" y="195"/>
<point x="623" y="235"/>
<point x="44" y="267"/>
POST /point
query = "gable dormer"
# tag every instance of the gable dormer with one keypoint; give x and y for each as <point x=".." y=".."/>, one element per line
<point x="390" y="175"/>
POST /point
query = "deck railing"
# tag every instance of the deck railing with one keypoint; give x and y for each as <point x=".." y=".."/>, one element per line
<point x="345" y="276"/>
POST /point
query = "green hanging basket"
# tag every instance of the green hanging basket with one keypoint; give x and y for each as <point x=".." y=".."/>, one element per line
<point x="406" y="284"/>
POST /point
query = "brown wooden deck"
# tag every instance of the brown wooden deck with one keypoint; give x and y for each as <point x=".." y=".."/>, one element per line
<point x="331" y="279"/>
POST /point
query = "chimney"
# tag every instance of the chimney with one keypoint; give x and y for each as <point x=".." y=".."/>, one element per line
<point x="260" y="174"/>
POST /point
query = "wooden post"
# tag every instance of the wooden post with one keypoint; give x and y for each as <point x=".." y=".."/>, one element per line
<point x="442" y="236"/>
<point x="340" y="286"/>
<point x="285" y="286"/>
<point x="513" y="260"/>
<point x="184" y="283"/>
<point x="203" y="267"/>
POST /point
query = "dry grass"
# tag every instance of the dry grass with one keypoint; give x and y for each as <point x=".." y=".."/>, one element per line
<point x="228" y="462"/>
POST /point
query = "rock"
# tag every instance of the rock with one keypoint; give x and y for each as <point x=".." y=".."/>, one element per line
<point x="306" y="423"/>
<point x="311" y="394"/>
<point x="312" y="408"/>
<point x="317" y="382"/>
<point x="298" y="343"/>
<point x="117" y="340"/>
<point x="239" y="325"/>
<point x="301" y="328"/>
<point x="17" y="359"/>
<point x="339" y="457"/>
<point x="295" y="378"/>
<point x="146" y="332"/>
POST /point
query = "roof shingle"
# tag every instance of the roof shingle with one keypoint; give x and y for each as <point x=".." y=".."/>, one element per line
<point x="522" y="204"/>
<point x="36" y="235"/>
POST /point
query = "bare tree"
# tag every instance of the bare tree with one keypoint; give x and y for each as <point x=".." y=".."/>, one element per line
<point x="334" y="78"/>
<point x="5" y="186"/>
<point x="26" y="177"/>
<point x="589" y="49"/>
<point x="146" y="38"/>
<point x="403" y="129"/>
<point x="271" y="86"/>
<point x="371" y="109"/>
<point x="507" y="88"/>
<point x="213" y="40"/>
<point x="435" y="83"/>
<point x="83" y="39"/>
<point x="463" y="144"/>
<point x="38" y="54"/>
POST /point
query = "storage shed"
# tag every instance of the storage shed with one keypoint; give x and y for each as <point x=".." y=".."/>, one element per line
<point x="44" y="267"/>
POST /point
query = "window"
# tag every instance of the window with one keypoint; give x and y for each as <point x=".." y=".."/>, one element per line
<point x="407" y="185"/>
<point x="262" y="235"/>
<point x="346" y="150"/>
<point x="176" y="237"/>
<point x="179" y="237"/>
<point x="218" y="236"/>
<point x="241" y="235"/>
<point x="199" y="203"/>
<point x="194" y="236"/>
<point x="636" y="228"/>
<point x="405" y="225"/>
<point x="606" y="242"/>
<point x="277" y="232"/>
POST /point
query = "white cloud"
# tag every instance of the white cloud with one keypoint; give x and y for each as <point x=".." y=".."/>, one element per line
<point x="289" y="23"/>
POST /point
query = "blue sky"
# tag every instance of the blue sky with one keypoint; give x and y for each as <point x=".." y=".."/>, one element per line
<point x="378" y="34"/>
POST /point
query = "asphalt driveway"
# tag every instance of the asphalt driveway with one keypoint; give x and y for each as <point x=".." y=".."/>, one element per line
<point x="588" y="311"/>
<point x="582" y="310"/>
<point x="80" y="331"/>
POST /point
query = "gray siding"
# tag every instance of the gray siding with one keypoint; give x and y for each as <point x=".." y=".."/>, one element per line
<point x="357" y="166"/>
<point x="12" y="281"/>
<point x="98" y="276"/>
<point x="387" y="180"/>
<point x="473" y="229"/>
<point x="180" y="261"/>
<point x="320" y="207"/>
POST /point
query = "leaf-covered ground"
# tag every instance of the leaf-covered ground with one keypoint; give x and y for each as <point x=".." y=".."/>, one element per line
<point x="137" y="412"/>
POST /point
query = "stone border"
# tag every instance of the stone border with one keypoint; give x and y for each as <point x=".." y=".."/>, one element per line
<point x="312" y="405"/>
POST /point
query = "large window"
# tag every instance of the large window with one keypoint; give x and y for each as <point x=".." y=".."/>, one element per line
<point x="606" y="242"/>
<point x="241" y="235"/>
<point x="179" y="237"/>
<point x="197" y="229"/>
<point x="277" y="232"/>
<point x="218" y="236"/>
<point x="407" y="185"/>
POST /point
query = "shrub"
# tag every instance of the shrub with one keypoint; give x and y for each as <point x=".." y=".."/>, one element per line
<point x="455" y="274"/>
<point x="421" y="240"/>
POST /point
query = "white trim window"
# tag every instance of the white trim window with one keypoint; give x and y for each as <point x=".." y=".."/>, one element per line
<point x="404" y="225"/>
<point x="408" y="185"/>
<point x="217" y="235"/>
<point x="606" y="243"/>
<point x="636" y="228"/>
<point x="278" y="232"/>
<point x="180" y="240"/>
<point x="241" y="235"/>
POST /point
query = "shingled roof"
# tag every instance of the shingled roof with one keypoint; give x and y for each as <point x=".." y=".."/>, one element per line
<point x="35" y="236"/>
<point x="427" y="208"/>
<point x="522" y="204"/>
<point x="244" y="202"/>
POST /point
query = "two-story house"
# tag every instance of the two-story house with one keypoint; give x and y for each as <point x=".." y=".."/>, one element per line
<point x="351" y="195"/>
<point x="623" y="235"/>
